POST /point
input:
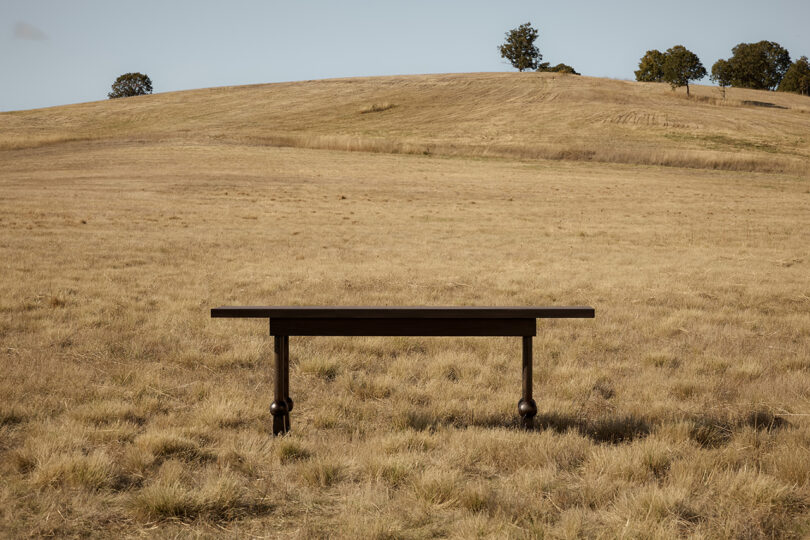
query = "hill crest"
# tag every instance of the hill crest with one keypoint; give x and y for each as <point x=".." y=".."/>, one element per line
<point x="512" y="115"/>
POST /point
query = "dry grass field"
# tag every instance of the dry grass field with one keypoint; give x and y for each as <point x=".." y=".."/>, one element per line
<point x="508" y="115"/>
<point x="683" y="409"/>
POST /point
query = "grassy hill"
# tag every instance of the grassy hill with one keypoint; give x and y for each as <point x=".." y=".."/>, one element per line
<point x="681" y="410"/>
<point x="519" y="115"/>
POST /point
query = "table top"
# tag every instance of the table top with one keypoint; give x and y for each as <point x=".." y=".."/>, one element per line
<point x="404" y="312"/>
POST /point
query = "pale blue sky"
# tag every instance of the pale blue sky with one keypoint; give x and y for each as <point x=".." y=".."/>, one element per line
<point x="66" y="51"/>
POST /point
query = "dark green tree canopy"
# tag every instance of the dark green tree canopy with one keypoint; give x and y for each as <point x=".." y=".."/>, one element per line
<point x="651" y="67"/>
<point x="721" y="73"/>
<point x="559" y="68"/>
<point x="519" y="47"/>
<point x="760" y="66"/>
<point x="131" y="84"/>
<point x="681" y="66"/>
<point x="797" y="77"/>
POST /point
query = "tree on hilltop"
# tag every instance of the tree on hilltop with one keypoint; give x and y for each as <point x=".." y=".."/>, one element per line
<point x="681" y="66"/>
<point x="131" y="84"/>
<point x="519" y="47"/>
<point x="797" y="78"/>
<point x="722" y="74"/>
<point x="760" y="66"/>
<point x="651" y="67"/>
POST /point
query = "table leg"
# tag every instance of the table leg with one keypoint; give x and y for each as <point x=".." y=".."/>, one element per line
<point x="280" y="408"/>
<point x="286" y="378"/>
<point x="527" y="408"/>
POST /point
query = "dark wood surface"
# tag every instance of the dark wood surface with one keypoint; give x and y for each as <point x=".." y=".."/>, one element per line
<point x="329" y="326"/>
<point x="414" y="312"/>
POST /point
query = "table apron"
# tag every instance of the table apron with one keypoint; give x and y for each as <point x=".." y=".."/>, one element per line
<point x="402" y="327"/>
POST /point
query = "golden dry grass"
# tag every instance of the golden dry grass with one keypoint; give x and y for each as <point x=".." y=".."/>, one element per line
<point x="512" y="115"/>
<point x="681" y="410"/>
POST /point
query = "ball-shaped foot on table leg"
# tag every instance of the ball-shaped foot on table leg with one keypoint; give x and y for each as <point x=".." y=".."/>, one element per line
<point x="281" y="417"/>
<point x="279" y="408"/>
<point x="527" y="411"/>
<point x="527" y="408"/>
<point x="289" y="404"/>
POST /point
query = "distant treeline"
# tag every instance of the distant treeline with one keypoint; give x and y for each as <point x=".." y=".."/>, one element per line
<point x="764" y="65"/>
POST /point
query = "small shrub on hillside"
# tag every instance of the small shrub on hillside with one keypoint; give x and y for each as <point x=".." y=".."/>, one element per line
<point x="377" y="107"/>
<point x="559" y="68"/>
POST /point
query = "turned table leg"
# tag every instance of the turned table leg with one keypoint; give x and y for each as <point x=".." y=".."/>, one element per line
<point x="282" y="404"/>
<point x="286" y="378"/>
<point x="526" y="406"/>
